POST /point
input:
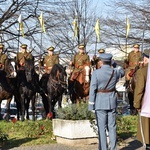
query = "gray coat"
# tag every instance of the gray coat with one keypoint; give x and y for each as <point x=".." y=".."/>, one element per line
<point x="100" y="77"/>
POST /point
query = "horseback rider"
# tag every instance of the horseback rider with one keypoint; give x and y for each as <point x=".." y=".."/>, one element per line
<point x="50" y="59"/>
<point x="3" y="57"/>
<point x="48" y="62"/>
<point x="79" y="60"/>
<point x="132" y="63"/>
<point x="21" y="56"/>
<point x="95" y="62"/>
<point x="95" y="59"/>
<point x="134" y="59"/>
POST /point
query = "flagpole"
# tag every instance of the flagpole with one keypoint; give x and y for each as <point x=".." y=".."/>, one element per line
<point x="144" y="33"/>
<point x="18" y="38"/>
<point x="95" y="46"/>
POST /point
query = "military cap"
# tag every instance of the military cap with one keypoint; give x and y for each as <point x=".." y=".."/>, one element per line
<point x="51" y="48"/>
<point x="105" y="56"/>
<point x="136" y="46"/>
<point x="1" y="45"/>
<point x="81" y="46"/>
<point x="146" y="53"/>
<point x="24" y="46"/>
<point x="101" y="51"/>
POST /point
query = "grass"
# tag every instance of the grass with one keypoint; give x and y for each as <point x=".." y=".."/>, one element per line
<point x="29" y="133"/>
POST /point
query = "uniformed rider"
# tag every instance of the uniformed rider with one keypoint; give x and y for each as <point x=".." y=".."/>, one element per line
<point x="3" y="57"/>
<point x="134" y="60"/>
<point x="79" y="60"/>
<point x="95" y="60"/>
<point x="21" y="56"/>
<point x="50" y="59"/>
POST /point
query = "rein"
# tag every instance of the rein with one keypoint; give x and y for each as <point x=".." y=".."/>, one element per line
<point x="58" y="82"/>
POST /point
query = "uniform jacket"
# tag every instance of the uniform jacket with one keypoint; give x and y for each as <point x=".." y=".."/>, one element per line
<point x="2" y="58"/>
<point x="21" y="56"/>
<point x="100" y="77"/>
<point x="134" y="58"/>
<point x="50" y="61"/>
<point x="140" y="84"/>
<point x="79" y="60"/>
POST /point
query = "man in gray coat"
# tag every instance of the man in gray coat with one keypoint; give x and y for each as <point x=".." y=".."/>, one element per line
<point x="103" y="100"/>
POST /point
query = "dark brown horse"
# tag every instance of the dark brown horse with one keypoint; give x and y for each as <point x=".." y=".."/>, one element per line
<point x="130" y="89"/>
<point x="79" y="88"/>
<point x="27" y="84"/>
<point x="7" y="83"/>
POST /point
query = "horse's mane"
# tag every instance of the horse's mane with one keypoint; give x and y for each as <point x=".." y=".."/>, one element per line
<point x="55" y="68"/>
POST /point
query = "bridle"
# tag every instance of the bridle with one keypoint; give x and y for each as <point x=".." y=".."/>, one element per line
<point x="11" y="72"/>
<point x="57" y="82"/>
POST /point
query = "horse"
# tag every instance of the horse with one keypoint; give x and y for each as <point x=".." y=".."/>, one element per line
<point x="53" y="85"/>
<point x="79" y="88"/>
<point x="7" y="83"/>
<point x="131" y="76"/>
<point x="28" y="86"/>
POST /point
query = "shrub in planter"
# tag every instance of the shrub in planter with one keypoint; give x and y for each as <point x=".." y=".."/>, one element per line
<point x="75" y="112"/>
<point x="73" y="125"/>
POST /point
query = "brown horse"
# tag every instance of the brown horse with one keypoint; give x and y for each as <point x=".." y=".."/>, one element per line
<point x="79" y="88"/>
<point x="7" y="84"/>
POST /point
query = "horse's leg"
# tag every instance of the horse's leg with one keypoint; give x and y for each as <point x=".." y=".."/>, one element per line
<point x="27" y="108"/>
<point x="0" y="111"/>
<point x="8" y="108"/>
<point x="22" y="101"/>
<point x="33" y="107"/>
<point x="49" y="99"/>
<point x="45" y="103"/>
<point x="16" y="97"/>
<point x="131" y="98"/>
<point x="59" y="101"/>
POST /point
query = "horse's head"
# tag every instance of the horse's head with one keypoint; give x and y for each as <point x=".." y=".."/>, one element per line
<point x="86" y="73"/>
<point x="58" y="73"/>
<point x="10" y="68"/>
<point x="29" y="69"/>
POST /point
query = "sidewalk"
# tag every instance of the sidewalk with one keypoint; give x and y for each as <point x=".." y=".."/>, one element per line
<point x="128" y="144"/>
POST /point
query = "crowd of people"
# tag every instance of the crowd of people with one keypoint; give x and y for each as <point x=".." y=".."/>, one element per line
<point x="102" y="95"/>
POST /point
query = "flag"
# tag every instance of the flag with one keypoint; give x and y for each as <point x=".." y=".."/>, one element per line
<point x="42" y="22"/>
<point x="97" y="30"/>
<point x="127" y="27"/>
<point x="75" y="24"/>
<point x="21" y="26"/>
<point x="145" y="110"/>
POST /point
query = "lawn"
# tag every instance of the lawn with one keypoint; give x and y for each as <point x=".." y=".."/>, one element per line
<point x="29" y="133"/>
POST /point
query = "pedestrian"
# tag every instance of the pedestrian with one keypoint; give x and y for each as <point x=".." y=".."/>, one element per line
<point x="103" y="99"/>
<point x="143" y="130"/>
<point x="3" y="57"/>
<point x="21" y="56"/>
<point x="50" y="59"/>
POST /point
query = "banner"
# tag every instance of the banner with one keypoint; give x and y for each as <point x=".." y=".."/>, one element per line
<point x="97" y="30"/>
<point x="21" y="26"/>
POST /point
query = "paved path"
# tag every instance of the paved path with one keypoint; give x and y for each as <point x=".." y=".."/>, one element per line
<point x="128" y="144"/>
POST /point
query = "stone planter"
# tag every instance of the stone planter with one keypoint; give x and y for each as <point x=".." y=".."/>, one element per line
<point x="74" y="132"/>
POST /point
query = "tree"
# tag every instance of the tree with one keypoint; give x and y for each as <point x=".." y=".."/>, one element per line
<point x="115" y="24"/>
